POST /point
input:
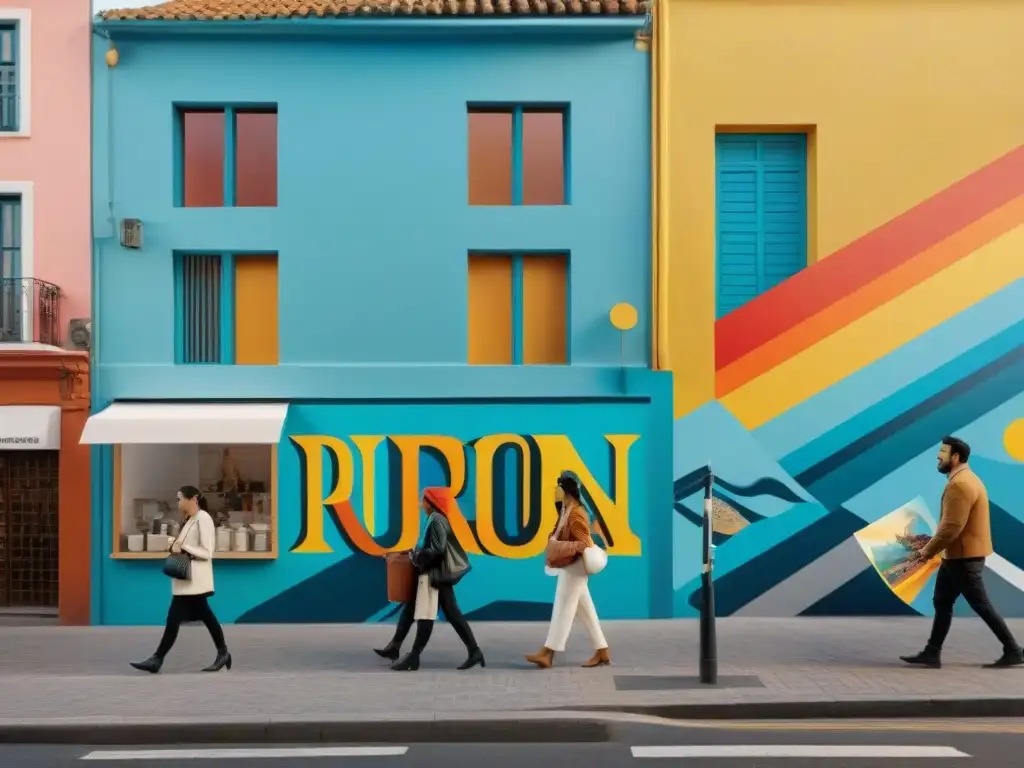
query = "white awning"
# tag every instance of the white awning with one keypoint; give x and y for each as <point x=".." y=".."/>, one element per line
<point x="199" y="423"/>
<point x="30" y="428"/>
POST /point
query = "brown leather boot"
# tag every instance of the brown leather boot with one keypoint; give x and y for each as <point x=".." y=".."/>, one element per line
<point x="542" y="658"/>
<point x="601" y="657"/>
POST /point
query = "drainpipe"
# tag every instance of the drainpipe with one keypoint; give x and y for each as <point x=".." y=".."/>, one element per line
<point x="659" y="248"/>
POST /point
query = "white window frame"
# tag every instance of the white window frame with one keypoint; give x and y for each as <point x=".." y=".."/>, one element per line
<point x="26" y="191"/>
<point x="23" y="18"/>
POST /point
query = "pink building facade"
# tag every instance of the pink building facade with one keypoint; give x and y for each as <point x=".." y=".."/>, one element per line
<point x="45" y="297"/>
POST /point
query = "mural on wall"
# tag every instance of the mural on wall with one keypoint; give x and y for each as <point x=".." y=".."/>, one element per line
<point x="833" y="392"/>
<point x="346" y="498"/>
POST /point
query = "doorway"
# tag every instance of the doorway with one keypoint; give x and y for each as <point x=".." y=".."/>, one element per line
<point x="29" y="538"/>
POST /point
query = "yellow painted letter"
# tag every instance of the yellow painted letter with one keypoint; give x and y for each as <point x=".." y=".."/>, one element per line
<point x="558" y="454"/>
<point x="311" y="464"/>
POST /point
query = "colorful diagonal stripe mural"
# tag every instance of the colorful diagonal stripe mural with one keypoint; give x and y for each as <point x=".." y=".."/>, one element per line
<point x="838" y="384"/>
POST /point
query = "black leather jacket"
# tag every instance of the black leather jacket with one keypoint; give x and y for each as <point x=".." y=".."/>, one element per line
<point x="442" y="555"/>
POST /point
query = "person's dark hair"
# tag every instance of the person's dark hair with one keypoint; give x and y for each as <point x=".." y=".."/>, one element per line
<point x="959" y="447"/>
<point x="568" y="483"/>
<point x="191" y="492"/>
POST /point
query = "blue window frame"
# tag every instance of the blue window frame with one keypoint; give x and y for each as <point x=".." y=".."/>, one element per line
<point x="9" y="96"/>
<point x="760" y="214"/>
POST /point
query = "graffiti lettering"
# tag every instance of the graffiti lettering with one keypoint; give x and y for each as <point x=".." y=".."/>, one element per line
<point x="330" y="463"/>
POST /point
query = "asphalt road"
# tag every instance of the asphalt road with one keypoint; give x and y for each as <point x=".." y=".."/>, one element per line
<point x="985" y="744"/>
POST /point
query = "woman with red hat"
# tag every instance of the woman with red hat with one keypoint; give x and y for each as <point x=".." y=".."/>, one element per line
<point x="441" y="563"/>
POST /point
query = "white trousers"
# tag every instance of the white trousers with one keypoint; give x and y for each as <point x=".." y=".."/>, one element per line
<point x="572" y="596"/>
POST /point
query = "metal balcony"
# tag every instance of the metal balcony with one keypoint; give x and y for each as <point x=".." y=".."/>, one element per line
<point x="29" y="311"/>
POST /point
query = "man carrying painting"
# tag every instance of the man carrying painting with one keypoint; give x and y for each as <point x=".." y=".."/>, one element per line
<point x="964" y="539"/>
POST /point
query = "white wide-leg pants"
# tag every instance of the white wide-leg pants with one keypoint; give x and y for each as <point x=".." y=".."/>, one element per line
<point x="572" y="596"/>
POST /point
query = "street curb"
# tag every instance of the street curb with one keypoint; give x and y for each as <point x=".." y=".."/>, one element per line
<point x="836" y="709"/>
<point x="597" y="724"/>
<point x="578" y="729"/>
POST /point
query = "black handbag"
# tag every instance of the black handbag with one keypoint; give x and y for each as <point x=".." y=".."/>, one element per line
<point x="178" y="565"/>
<point x="453" y="563"/>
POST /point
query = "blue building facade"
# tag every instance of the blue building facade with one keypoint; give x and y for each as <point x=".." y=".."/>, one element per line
<point x="314" y="337"/>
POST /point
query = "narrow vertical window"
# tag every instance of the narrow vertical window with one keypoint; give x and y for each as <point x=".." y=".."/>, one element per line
<point x="9" y="77"/>
<point x="545" y="309"/>
<point x="202" y="147"/>
<point x="490" y="309"/>
<point x="201" y="309"/>
<point x="490" y="158"/>
<point x="12" y="303"/>
<point x="256" y="158"/>
<point x="543" y="157"/>
<point x="256" y="318"/>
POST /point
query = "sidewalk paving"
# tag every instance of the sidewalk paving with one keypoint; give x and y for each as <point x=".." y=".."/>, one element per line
<point x="793" y="668"/>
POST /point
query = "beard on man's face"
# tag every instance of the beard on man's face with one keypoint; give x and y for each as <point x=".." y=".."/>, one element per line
<point x="944" y="466"/>
<point x="558" y="506"/>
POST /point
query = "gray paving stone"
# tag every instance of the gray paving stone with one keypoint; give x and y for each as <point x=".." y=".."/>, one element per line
<point x="296" y="673"/>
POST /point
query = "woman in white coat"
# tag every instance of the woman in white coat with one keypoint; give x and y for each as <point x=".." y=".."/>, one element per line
<point x="189" y="597"/>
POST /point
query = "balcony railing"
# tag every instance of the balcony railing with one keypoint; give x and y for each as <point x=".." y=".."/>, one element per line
<point x="29" y="311"/>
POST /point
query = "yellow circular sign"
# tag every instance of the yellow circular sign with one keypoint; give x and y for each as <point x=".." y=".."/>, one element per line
<point x="623" y="316"/>
<point x="1013" y="439"/>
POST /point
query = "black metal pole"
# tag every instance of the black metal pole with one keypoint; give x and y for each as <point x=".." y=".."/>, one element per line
<point x="708" y="641"/>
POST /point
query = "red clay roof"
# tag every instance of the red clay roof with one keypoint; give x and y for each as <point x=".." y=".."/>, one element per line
<point x="251" y="10"/>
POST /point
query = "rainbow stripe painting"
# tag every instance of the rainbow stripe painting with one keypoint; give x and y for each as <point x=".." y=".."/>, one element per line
<point x="833" y="391"/>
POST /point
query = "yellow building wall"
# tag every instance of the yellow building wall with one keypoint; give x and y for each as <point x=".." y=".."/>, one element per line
<point x="901" y="99"/>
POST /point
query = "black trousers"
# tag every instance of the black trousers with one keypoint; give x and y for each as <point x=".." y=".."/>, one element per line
<point x="189" y="608"/>
<point x="965" y="577"/>
<point x="450" y="607"/>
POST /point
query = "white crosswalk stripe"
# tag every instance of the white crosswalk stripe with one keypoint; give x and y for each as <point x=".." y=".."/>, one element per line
<point x="248" y="753"/>
<point x="794" y="751"/>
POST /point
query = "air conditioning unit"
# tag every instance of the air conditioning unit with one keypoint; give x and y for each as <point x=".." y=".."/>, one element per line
<point x="80" y="333"/>
<point x="131" y="234"/>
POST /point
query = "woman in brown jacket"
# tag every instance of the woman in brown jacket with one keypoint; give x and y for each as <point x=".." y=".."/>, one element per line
<point x="572" y="593"/>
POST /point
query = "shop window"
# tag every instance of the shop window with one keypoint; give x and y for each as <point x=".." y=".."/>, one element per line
<point x="239" y="482"/>
<point x="518" y="309"/>
<point x="517" y="155"/>
<point x="227" y="157"/>
<point x="227" y="309"/>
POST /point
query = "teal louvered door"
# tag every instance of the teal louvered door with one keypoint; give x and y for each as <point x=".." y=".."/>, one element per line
<point x="760" y="214"/>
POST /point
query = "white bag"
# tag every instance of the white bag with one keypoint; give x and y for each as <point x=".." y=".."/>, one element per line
<point x="594" y="560"/>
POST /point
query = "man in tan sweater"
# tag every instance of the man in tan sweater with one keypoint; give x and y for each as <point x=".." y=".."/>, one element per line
<point x="964" y="539"/>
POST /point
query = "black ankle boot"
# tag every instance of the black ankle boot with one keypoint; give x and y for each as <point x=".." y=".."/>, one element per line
<point x="408" y="663"/>
<point x="929" y="657"/>
<point x="411" y="661"/>
<point x="1008" y="659"/>
<point x="152" y="664"/>
<point x="476" y="656"/>
<point x="391" y="651"/>
<point x="223" y="660"/>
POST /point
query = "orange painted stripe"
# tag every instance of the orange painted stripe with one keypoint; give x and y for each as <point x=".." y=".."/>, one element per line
<point x="886" y="288"/>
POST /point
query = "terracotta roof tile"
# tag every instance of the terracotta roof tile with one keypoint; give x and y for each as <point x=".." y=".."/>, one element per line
<point x="251" y="10"/>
